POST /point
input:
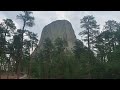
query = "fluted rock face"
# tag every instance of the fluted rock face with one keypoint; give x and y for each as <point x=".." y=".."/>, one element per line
<point x="59" y="28"/>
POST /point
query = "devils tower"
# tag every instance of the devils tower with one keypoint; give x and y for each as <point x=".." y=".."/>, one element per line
<point x="59" y="28"/>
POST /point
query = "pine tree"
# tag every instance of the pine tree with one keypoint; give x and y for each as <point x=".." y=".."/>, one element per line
<point x="28" y="20"/>
<point x="91" y="30"/>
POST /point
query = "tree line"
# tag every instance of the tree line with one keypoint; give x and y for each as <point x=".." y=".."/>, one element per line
<point x="16" y="45"/>
<point x="99" y="59"/>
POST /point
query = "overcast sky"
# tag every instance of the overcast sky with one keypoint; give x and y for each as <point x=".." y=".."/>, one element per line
<point x="42" y="18"/>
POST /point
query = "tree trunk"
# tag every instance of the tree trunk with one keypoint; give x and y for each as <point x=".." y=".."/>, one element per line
<point x="0" y="71"/>
<point x="16" y="66"/>
<point x="8" y="69"/>
<point x="89" y="57"/>
<point x="21" y="52"/>
<point x="29" y="69"/>
<point x="18" y="70"/>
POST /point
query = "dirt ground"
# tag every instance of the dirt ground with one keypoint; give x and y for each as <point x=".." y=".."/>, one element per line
<point x="11" y="76"/>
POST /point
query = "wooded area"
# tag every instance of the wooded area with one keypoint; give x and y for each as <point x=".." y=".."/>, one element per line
<point x="98" y="60"/>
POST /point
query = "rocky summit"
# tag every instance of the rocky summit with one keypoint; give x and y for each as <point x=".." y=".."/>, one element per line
<point x="59" y="28"/>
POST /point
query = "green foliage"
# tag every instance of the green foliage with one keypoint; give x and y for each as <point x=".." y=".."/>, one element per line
<point x="27" y="19"/>
<point x="13" y="45"/>
<point x="60" y="65"/>
<point x="107" y="45"/>
<point x="6" y="29"/>
<point x="104" y="65"/>
<point x="91" y="29"/>
<point x="54" y="61"/>
<point x="79" y="48"/>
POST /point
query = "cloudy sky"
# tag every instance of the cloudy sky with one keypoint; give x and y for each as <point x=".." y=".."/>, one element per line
<point x="42" y="18"/>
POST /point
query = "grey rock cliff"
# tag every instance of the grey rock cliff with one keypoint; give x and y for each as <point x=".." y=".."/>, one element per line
<point x="59" y="28"/>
